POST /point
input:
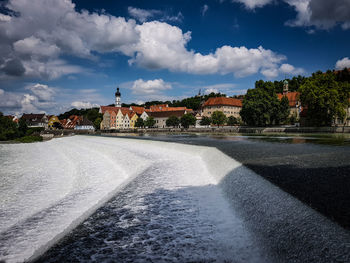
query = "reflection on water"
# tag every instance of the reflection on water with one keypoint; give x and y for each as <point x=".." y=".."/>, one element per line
<point x="323" y="138"/>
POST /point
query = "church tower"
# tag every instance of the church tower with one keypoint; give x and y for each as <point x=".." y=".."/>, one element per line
<point x="117" y="98"/>
<point x="285" y="87"/>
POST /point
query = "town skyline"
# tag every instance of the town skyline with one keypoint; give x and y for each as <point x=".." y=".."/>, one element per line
<point x="78" y="58"/>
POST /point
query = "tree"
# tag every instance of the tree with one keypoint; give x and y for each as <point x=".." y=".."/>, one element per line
<point x="232" y="121"/>
<point x="173" y="121"/>
<point x="22" y="127"/>
<point x="261" y="106"/>
<point x="187" y="120"/>
<point x="139" y="122"/>
<point x="284" y="111"/>
<point x="57" y="125"/>
<point x="97" y="123"/>
<point x="325" y="98"/>
<point x="218" y="118"/>
<point x="150" y="122"/>
<point x="206" y="121"/>
<point x="8" y="129"/>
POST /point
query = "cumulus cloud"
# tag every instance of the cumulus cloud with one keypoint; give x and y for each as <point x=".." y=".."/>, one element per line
<point x="156" y="86"/>
<point x="42" y="92"/>
<point x="34" y="98"/>
<point x="204" y="9"/>
<point x="84" y="105"/>
<point x="33" y="42"/>
<point x="343" y="63"/>
<point x="290" y="69"/>
<point x="162" y="46"/>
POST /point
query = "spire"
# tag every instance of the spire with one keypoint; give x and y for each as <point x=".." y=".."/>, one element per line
<point x="285" y="86"/>
<point x="117" y="98"/>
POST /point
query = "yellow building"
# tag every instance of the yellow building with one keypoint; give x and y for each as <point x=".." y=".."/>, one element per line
<point x="52" y="120"/>
<point x="133" y="120"/>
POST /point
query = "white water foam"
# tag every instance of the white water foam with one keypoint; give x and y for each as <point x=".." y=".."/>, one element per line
<point x="48" y="188"/>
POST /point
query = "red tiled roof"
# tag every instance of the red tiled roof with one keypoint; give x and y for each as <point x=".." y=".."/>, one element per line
<point x="137" y="109"/>
<point x="223" y="101"/>
<point x="109" y="108"/>
<point x="293" y="97"/>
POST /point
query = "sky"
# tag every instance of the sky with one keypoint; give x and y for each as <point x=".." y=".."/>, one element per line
<point x="61" y="54"/>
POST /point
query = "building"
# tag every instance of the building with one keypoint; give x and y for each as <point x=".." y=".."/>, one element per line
<point x="52" y="120"/>
<point x="161" y="117"/>
<point x="71" y="122"/>
<point x="229" y="106"/>
<point x="117" y="117"/>
<point x="36" y="120"/>
<point x="84" y="124"/>
<point x="293" y="98"/>
<point x="117" y="98"/>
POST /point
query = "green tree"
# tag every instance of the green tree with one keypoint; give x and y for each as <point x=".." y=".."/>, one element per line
<point x="8" y="128"/>
<point x="325" y="98"/>
<point x="218" y="118"/>
<point x="232" y="121"/>
<point x="261" y="106"/>
<point x="172" y="121"/>
<point x="22" y="127"/>
<point x="187" y="120"/>
<point x="150" y="122"/>
<point x="97" y="123"/>
<point x="284" y="111"/>
<point x="139" y="122"/>
<point x="206" y="121"/>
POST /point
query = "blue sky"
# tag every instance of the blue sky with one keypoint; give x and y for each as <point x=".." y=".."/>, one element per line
<point x="56" y="55"/>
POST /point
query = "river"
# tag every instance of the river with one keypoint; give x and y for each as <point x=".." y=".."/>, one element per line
<point x="201" y="199"/>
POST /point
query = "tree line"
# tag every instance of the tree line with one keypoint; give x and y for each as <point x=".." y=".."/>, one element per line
<point x="324" y="97"/>
<point x="10" y="130"/>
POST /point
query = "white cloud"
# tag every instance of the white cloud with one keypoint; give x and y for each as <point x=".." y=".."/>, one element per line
<point x="343" y="63"/>
<point x="33" y="46"/>
<point x="149" y="87"/>
<point x="211" y="90"/>
<point x="34" y="98"/>
<point x="204" y="9"/>
<point x="144" y="15"/>
<point x="4" y="18"/>
<point x="290" y="69"/>
<point x="84" y="105"/>
<point x="42" y="92"/>
<point x="45" y="30"/>
<point x="141" y="15"/>
<point x="163" y="46"/>
<point x="251" y="4"/>
<point x="320" y="14"/>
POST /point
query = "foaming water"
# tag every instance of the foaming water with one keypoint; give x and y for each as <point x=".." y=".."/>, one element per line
<point x="47" y="189"/>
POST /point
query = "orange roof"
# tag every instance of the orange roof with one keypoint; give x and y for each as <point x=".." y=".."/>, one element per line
<point x="109" y="108"/>
<point x="223" y="101"/>
<point x="165" y="107"/>
<point x="137" y="109"/>
<point x="293" y="97"/>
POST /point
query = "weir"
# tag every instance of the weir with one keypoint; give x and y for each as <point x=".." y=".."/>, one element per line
<point x="251" y="218"/>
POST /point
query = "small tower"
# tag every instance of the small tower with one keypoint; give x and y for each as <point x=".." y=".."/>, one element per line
<point x="117" y="98"/>
<point x="285" y="87"/>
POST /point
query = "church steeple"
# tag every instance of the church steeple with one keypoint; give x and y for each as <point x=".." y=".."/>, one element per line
<point x="117" y="98"/>
<point x="285" y="87"/>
